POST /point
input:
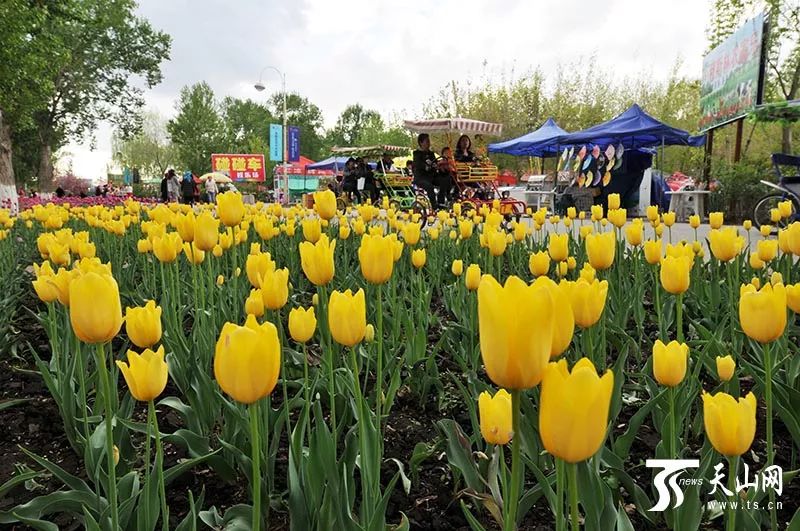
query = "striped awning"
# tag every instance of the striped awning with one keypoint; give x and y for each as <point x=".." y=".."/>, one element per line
<point x="370" y="151"/>
<point x="454" y="125"/>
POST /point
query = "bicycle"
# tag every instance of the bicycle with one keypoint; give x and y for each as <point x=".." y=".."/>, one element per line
<point x="787" y="188"/>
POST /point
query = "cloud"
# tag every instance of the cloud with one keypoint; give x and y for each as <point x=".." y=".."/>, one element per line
<point x="393" y="56"/>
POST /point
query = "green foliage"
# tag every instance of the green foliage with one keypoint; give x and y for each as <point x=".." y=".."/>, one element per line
<point x="197" y="130"/>
<point x="301" y="112"/>
<point x="149" y="150"/>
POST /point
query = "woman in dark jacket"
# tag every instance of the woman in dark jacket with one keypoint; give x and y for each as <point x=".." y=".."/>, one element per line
<point x="187" y="188"/>
<point x="350" y="178"/>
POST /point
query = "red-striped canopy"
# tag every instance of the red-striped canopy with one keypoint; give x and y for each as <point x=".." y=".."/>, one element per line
<point x="454" y="125"/>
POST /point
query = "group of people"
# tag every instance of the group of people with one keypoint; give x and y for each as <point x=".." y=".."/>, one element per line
<point x="185" y="190"/>
<point x="356" y="169"/>
<point x="437" y="175"/>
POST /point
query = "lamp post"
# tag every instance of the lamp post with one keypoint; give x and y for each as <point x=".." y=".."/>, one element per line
<point x="259" y="86"/>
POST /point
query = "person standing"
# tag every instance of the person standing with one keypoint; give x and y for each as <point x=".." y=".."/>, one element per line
<point x="211" y="190"/>
<point x="164" y="188"/>
<point x="173" y="186"/>
<point x="187" y="188"/>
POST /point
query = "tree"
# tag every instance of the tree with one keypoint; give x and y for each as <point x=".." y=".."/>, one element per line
<point x="149" y="150"/>
<point x="355" y="125"/>
<point x="197" y="131"/>
<point x="247" y="127"/>
<point x="98" y="48"/>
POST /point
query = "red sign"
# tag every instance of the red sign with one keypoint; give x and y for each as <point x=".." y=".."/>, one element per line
<point x="239" y="167"/>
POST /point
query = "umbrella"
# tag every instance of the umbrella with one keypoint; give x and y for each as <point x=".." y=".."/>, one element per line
<point x="218" y="177"/>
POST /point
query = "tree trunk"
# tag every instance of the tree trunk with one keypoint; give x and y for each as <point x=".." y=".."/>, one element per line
<point x="8" y="188"/>
<point x="786" y="140"/>
<point x="46" y="183"/>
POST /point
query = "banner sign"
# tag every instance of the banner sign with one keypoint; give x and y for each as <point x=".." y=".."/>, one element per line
<point x="239" y="167"/>
<point x="732" y="76"/>
<point x="294" y="143"/>
<point x="275" y="142"/>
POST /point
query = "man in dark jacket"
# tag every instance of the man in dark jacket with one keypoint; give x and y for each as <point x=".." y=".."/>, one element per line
<point x="164" y="188"/>
<point x="425" y="168"/>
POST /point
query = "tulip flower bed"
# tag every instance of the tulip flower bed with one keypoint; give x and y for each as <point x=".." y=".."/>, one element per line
<point x="265" y="367"/>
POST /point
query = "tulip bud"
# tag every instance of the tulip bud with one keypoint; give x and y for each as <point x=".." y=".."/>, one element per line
<point x="747" y="224"/>
<point x="472" y="278"/>
<point x="725" y="368"/>
<point x="369" y="333"/>
<point x="776" y="278"/>
<point x="143" y="324"/>
<point x="418" y="258"/>
<point x="495" y="417"/>
<point x="220" y="280"/>
<point x="457" y="268"/>
<point x="302" y="324"/>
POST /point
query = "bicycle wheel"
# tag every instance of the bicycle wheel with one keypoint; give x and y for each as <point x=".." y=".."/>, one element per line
<point x="763" y="209"/>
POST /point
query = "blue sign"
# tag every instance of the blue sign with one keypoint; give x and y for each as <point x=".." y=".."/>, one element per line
<point x="294" y="143"/>
<point x="275" y="142"/>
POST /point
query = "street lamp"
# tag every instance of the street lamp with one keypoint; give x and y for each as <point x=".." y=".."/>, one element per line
<point x="259" y="86"/>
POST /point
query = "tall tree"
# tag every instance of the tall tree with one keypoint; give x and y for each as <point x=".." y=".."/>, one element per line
<point x="149" y="150"/>
<point x="197" y="130"/>
<point x="101" y="49"/>
<point x="355" y="124"/>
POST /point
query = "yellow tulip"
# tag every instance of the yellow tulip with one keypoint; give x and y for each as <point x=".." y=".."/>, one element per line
<point x="793" y="297"/>
<point x="618" y="217"/>
<point x="59" y="253"/>
<point x="95" y="310"/>
<point x="167" y="247"/>
<point x="473" y="277"/>
<point x="668" y="218"/>
<point x="185" y="225"/>
<point x="206" y="231"/>
<point x="194" y="255"/>
<point x="247" y="360"/>
<point x="316" y="260"/>
<point x="730" y="424"/>
<point x="785" y="208"/>
<point x="311" y="229"/>
<point x="572" y="213"/>
<point x="376" y="256"/>
<point x="726" y="244"/>
<point x="143" y="324"/>
<point x="694" y="221"/>
<point x="613" y="202"/>
<point x="793" y="238"/>
<point x="145" y="374"/>
<point x="564" y="320"/>
<point x="634" y="233"/>
<point x="762" y="313"/>
<point x="495" y="416"/>
<point x="539" y="263"/>
<point x="217" y="251"/>
<point x="418" y="258"/>
<point x="254" y="304"/>
<point x="87" y="250"/>
<point x="411" y="233"/>
<point x="587" y="299"/>
<point x="457" y="268"/>
<point x="230" y="208"/>
<point x="586" y="230"/>
<point x="347" y="317"/>
<point x="496" y="241"/>
<point x="767" y="249"/>
<point x="669" y="362"/>
<point x="369" y="333"/>
<point x="756" y="262"/>
<point x="600" y="249"/>
<point x="774" y="215"/>
<point x="652" y="213"/>
<point x="747" y="224"/>
<point x="715" y="219"/>
<point x="515" y="350"/>
<point x="597" y="212"/>
<point x="725" y="368"/>
<point x="766" y="230"/>
<point x="257" y="266"/>
<point x="675" y="274"/>
<point x="275" y="288"/>
<point x="558" y="246"/>
<point x="144" y="246"/>
<point x="46" y="288"/>
<point x="325" y="204"/>
<point x="220" y="280"/>
<point x="573" y="413"/>
<point x="302" y="324"/>
<point x="588" y="273"/>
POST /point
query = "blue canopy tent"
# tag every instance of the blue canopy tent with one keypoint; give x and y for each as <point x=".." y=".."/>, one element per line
<point x="537" y="143"/>
<point x="329" y="164"/>
<point x="634" y="129"/>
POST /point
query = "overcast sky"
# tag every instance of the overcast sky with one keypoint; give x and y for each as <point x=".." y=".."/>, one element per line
<point x="392" y="55"/>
